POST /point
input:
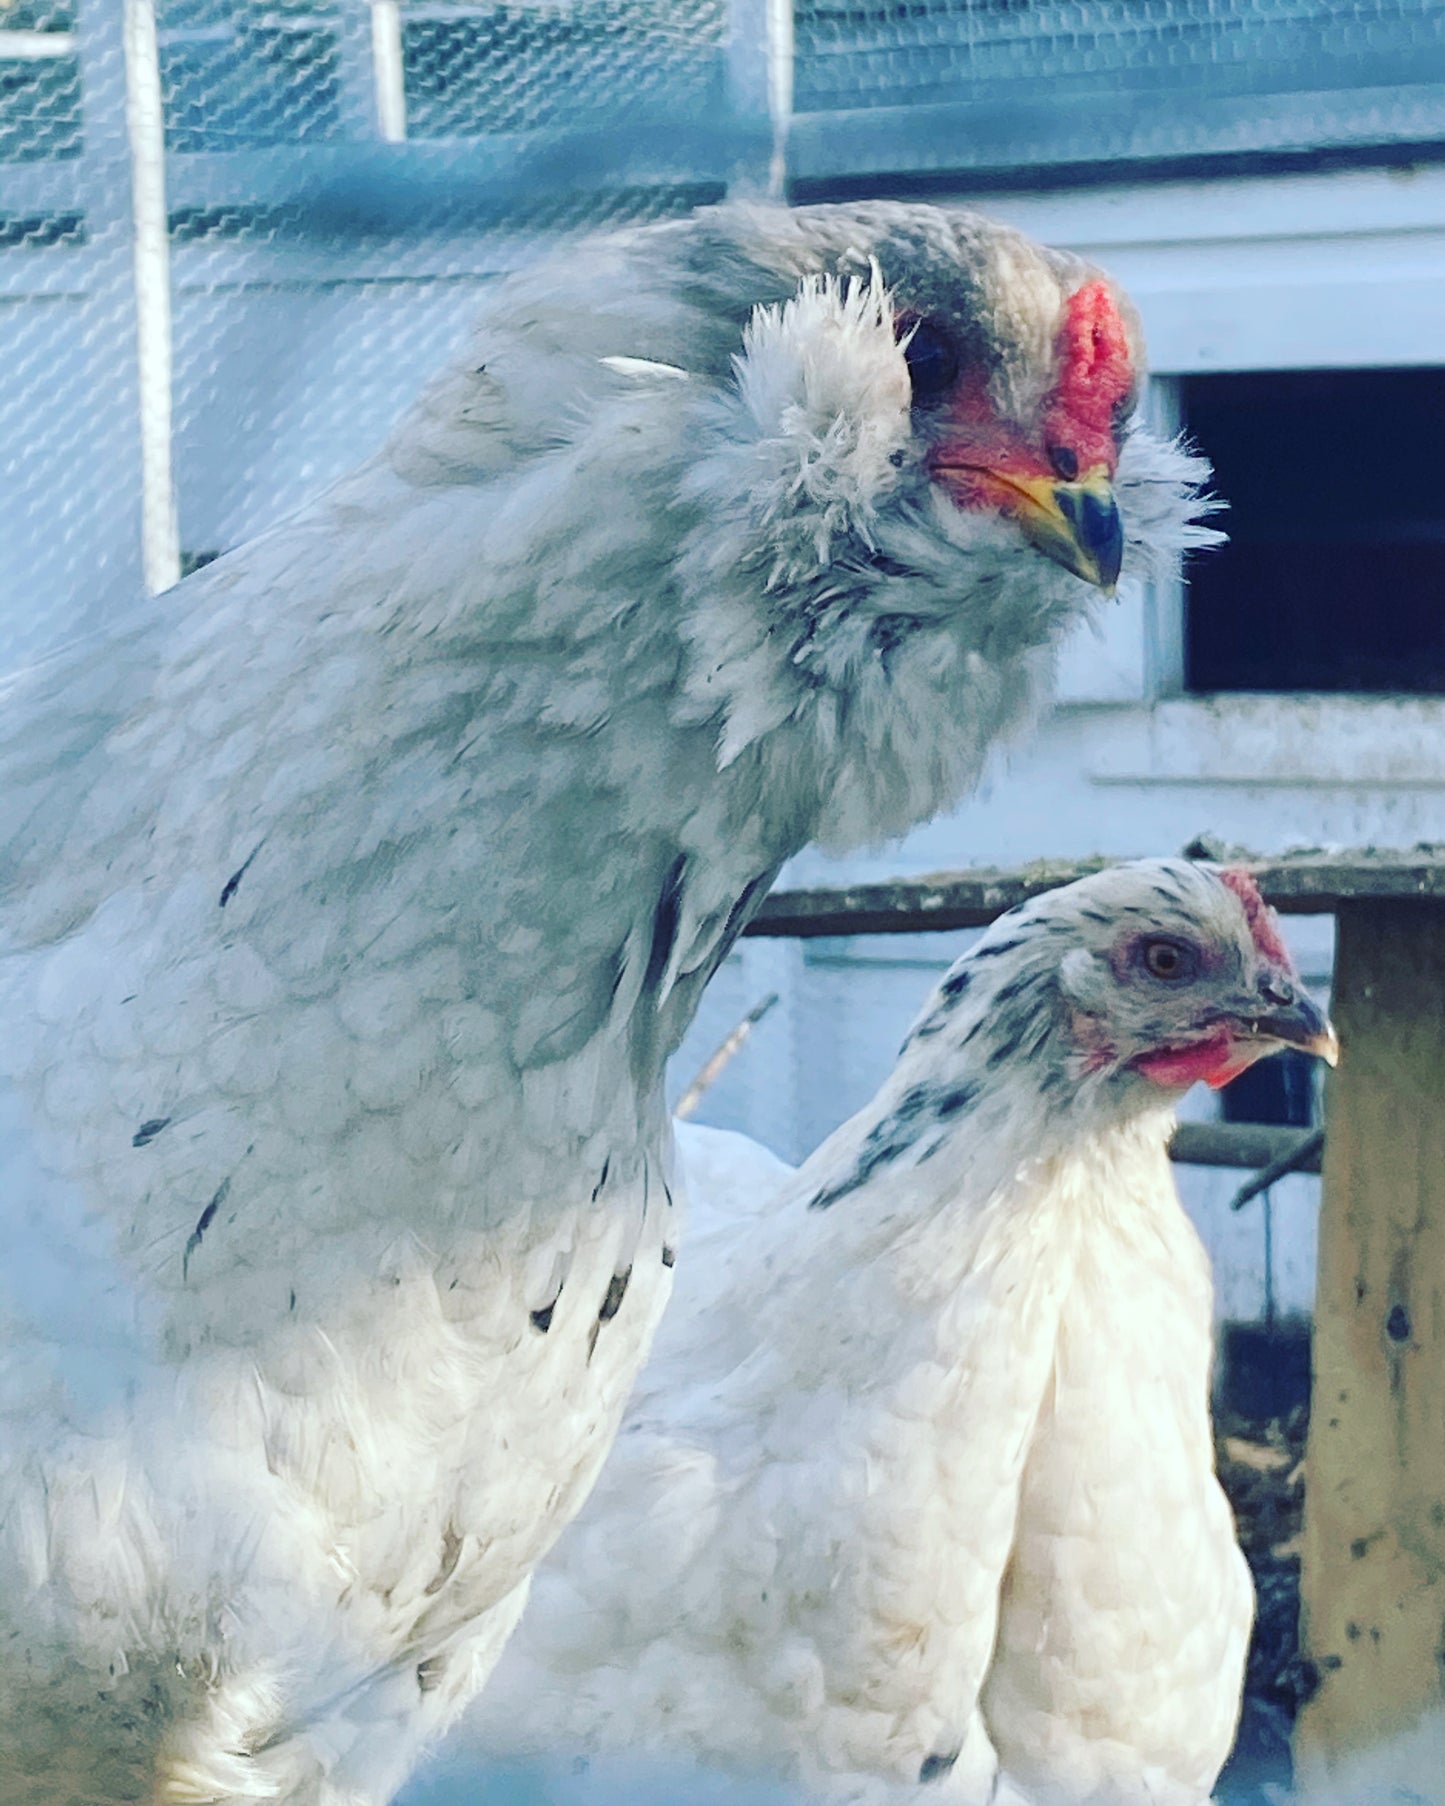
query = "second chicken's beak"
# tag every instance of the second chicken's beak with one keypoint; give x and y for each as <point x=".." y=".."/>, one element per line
<point x="1292" y="1020"/>
<point x="1302" y="1024"/>
<point x="1076" y="524"/>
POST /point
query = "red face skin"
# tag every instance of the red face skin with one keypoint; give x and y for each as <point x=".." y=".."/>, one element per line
<point x="1216" y="1060"/>
<point x="1223" y="1055"/>
<point x="982" y="458"/>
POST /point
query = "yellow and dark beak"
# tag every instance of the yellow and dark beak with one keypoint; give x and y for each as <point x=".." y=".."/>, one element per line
<point x="1076" y="524"/>
<point x="1301" y="1023"/>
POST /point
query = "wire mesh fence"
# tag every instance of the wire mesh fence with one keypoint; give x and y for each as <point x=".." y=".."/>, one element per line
<point x="996" y="89"/>
<point x="235" y="238"/>
<point x="235" y="235"/>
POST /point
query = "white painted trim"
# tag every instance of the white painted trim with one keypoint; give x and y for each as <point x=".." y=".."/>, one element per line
<point x="1274" y="742"/>
<point x="1226" y="210"/>
<point x="1131" y="649"/>
<point x="1330" y="271"/>
<point x="1164" y="598"/>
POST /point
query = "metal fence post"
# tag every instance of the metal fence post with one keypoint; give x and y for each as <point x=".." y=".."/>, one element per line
<point x="373" y="73"/>
<point x="760" y="86"/>
<point x="104" y="456"/>
<point x="151" y="257"/>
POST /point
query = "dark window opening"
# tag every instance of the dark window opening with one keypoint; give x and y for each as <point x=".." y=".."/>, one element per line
<point x="1334" y="577"/>
<point x="1279" y="1090"/>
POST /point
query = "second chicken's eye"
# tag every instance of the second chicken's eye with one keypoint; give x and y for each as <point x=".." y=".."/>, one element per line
<point x="932" y="359"/>
<point x="1166" y="959"/>
<point x="1065" y="461"/>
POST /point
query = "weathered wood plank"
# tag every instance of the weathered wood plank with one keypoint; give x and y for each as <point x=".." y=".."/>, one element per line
<point x="1297" y="883"/>
<point x="1373" y="1580"/>
<point x="1246" y="1145"/>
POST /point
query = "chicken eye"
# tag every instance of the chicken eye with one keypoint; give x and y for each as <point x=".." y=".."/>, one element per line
<point x="1169" y="960"/>
<point x="1065" y="461"/>
<point x="932" y="359"/>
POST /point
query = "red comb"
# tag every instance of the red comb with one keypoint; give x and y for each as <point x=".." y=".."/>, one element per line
<point x="1096" y="373"/>
<point x="1263" y="923"/>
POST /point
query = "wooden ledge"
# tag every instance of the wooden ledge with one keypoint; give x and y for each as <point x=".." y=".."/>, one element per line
<point x="1305" y="883"/>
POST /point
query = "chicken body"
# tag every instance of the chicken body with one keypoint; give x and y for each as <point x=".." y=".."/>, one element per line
<point x="918" y="1488"/>
<point x="353" y="894"/>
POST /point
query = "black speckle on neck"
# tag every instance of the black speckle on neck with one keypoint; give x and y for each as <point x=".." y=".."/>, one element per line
<point x="904" y="1130"/>
<point x="994" y="950"/>
<point x="952" y="1102"/>
<point x="233" y="883"/>
<point x="1007" y="992"/>
<point x="885" y="1141"/>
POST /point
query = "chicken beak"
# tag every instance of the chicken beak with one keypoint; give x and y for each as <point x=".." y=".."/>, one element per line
<point x="1076" y="524"/>
<point x="1300" y="1024"/>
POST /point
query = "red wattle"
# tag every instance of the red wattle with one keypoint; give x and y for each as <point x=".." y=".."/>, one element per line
<point x="1215" y="1061"/>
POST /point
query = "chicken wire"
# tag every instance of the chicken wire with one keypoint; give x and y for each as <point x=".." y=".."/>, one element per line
<point x="235" y="239"/>
<point x="996" y="85"/>
<point x="236" y="235"/>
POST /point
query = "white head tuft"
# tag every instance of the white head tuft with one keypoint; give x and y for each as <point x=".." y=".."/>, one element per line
<point x="824" y="380"/>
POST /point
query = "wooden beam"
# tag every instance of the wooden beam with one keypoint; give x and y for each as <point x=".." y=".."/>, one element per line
<point x="1297" y="883"/>
<point x="908" y="905"/>
<point x="1373" y="1580"/>
<point x="1247" y="1145"/>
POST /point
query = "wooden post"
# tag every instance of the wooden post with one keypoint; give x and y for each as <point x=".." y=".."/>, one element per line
<point x="1373" y="1580"/>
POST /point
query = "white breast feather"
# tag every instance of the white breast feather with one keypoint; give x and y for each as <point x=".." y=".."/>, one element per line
<point x="924" y="1493"/>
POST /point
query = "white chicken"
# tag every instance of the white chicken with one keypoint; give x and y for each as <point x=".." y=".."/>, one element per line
<point x="353" y="894"/>
<point x="918" y="1488"/>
